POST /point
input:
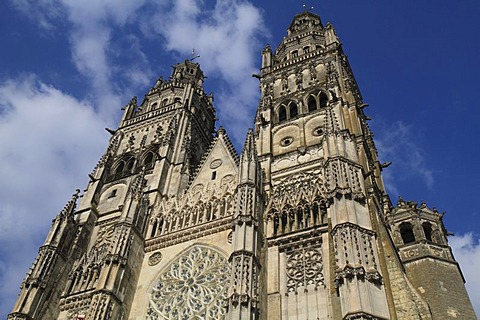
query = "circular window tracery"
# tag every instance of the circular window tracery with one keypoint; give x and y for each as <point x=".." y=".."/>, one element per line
<point x="194" y="286"/>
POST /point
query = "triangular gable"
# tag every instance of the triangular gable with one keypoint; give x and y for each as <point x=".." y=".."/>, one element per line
<point x="219" y="166"/>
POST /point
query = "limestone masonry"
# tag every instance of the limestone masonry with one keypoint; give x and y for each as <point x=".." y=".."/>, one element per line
<point x="175" y="225"/>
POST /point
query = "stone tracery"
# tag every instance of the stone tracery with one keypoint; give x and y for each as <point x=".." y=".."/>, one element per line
<point x="194" y="286"/>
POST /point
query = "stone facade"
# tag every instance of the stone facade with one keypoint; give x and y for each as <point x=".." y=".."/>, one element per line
<point x="175" y="225"/>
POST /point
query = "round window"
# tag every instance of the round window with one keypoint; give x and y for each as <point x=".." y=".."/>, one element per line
<point x="286" y="141"/>
<point x="317" y="131"/>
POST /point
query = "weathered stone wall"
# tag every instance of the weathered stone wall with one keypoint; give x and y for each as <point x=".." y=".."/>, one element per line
<point x="441" y="285"/>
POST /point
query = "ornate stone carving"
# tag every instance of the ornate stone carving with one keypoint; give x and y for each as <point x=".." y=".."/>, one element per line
<point x="154" y="259"/>
<point x="193" y="286"/>
<point x="215" y="163"/>
<point x="304" y="268"/>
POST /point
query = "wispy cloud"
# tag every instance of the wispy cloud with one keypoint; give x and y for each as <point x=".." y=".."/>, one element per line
<point x="466" y="249"/>
<point x="397" y="142"/>
<point x="50" y="141"/>
<point x="228" y="37"/>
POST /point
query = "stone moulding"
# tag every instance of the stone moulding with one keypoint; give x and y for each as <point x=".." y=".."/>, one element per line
<point x="349" y="272"/>
<point x="188" y="234"/>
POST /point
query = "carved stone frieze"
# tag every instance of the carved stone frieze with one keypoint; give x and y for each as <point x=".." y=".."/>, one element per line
<point x="199" y="205"/>
<point x="155" y="258"/>
<point x="422" y="250"/>
<point x="292" y="190"/>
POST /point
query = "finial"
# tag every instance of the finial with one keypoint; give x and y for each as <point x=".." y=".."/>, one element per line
<point x="304" y="5"/>
<point x="193" y="55"/>
<point x="221" y="131"/>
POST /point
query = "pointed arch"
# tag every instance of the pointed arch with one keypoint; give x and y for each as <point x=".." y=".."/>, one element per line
<point x="323" y="100"/>
<point x="129" y="166"/>
<point x="293" y="108"/>
<point x="282" y="113"/>
<point x="312" y="103"/>
<point x="427" y="230"/>
<point x="149" y="160"/>
<point x="406" y="231"/>
<point x="118" y="171"/>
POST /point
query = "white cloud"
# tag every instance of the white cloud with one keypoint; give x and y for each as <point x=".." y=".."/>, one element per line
<point x="397" y="142"/>
<point x="50" y="141"/>
<point x="227" y="37"/>
<point x="90" y="25"/>
<point x="466" y="249"/>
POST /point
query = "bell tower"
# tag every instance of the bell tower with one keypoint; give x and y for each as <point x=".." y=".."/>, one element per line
<point x="92" y="255"/>
<point x="421" y="239"/>
<point x="321" y="170"/>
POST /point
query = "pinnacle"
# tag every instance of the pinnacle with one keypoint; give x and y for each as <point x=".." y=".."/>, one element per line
<point x="249" y="149"/>
<point x="71" y="204"/>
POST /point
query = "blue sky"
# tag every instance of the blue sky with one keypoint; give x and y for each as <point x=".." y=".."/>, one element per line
<point x="67" y="67"/>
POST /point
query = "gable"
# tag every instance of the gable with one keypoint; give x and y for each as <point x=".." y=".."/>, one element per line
<point x="218" y="166"/>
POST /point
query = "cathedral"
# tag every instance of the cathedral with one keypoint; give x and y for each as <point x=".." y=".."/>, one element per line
<point x="174" y="224"/>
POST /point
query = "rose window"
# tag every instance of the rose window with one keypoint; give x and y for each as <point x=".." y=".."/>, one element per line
<point x="193" y="286"/>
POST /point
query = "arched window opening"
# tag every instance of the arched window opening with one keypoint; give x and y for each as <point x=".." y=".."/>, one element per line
<point x="282" y="113"/>
<point x="294" y="53"/>
<point x="154" y="229"/>
<point x="129" y="168"/>
<point x="275" y="225"/>
<point x="312" y="104"/>
<point x="406" y="230"/>
<point x="148" y="161"/>
<point x="178" y="100"/>
<point x="154" y="106"/>
<point x="293" y="110"/>
<point x="427" y="229"/>
<point x="306" y="49"/>
<point x="119" y="170"/>
<point x="323" y="100"/>
<point x="164" y="102"/>
<point x="315" y="212"/>
<point x="284" y="222"/>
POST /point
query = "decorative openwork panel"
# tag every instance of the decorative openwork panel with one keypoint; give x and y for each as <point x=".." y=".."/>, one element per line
<point x="304" y="268"/>
<point x="193" y="286"/>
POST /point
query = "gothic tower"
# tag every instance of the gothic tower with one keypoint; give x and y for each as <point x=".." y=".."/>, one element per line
<point x="328" y="219"/>
<point x="174" y="224"/>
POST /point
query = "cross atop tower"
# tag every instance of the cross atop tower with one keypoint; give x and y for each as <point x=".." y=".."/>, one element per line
<point x="304" y="5"/>
<point x="194" y="55"/>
